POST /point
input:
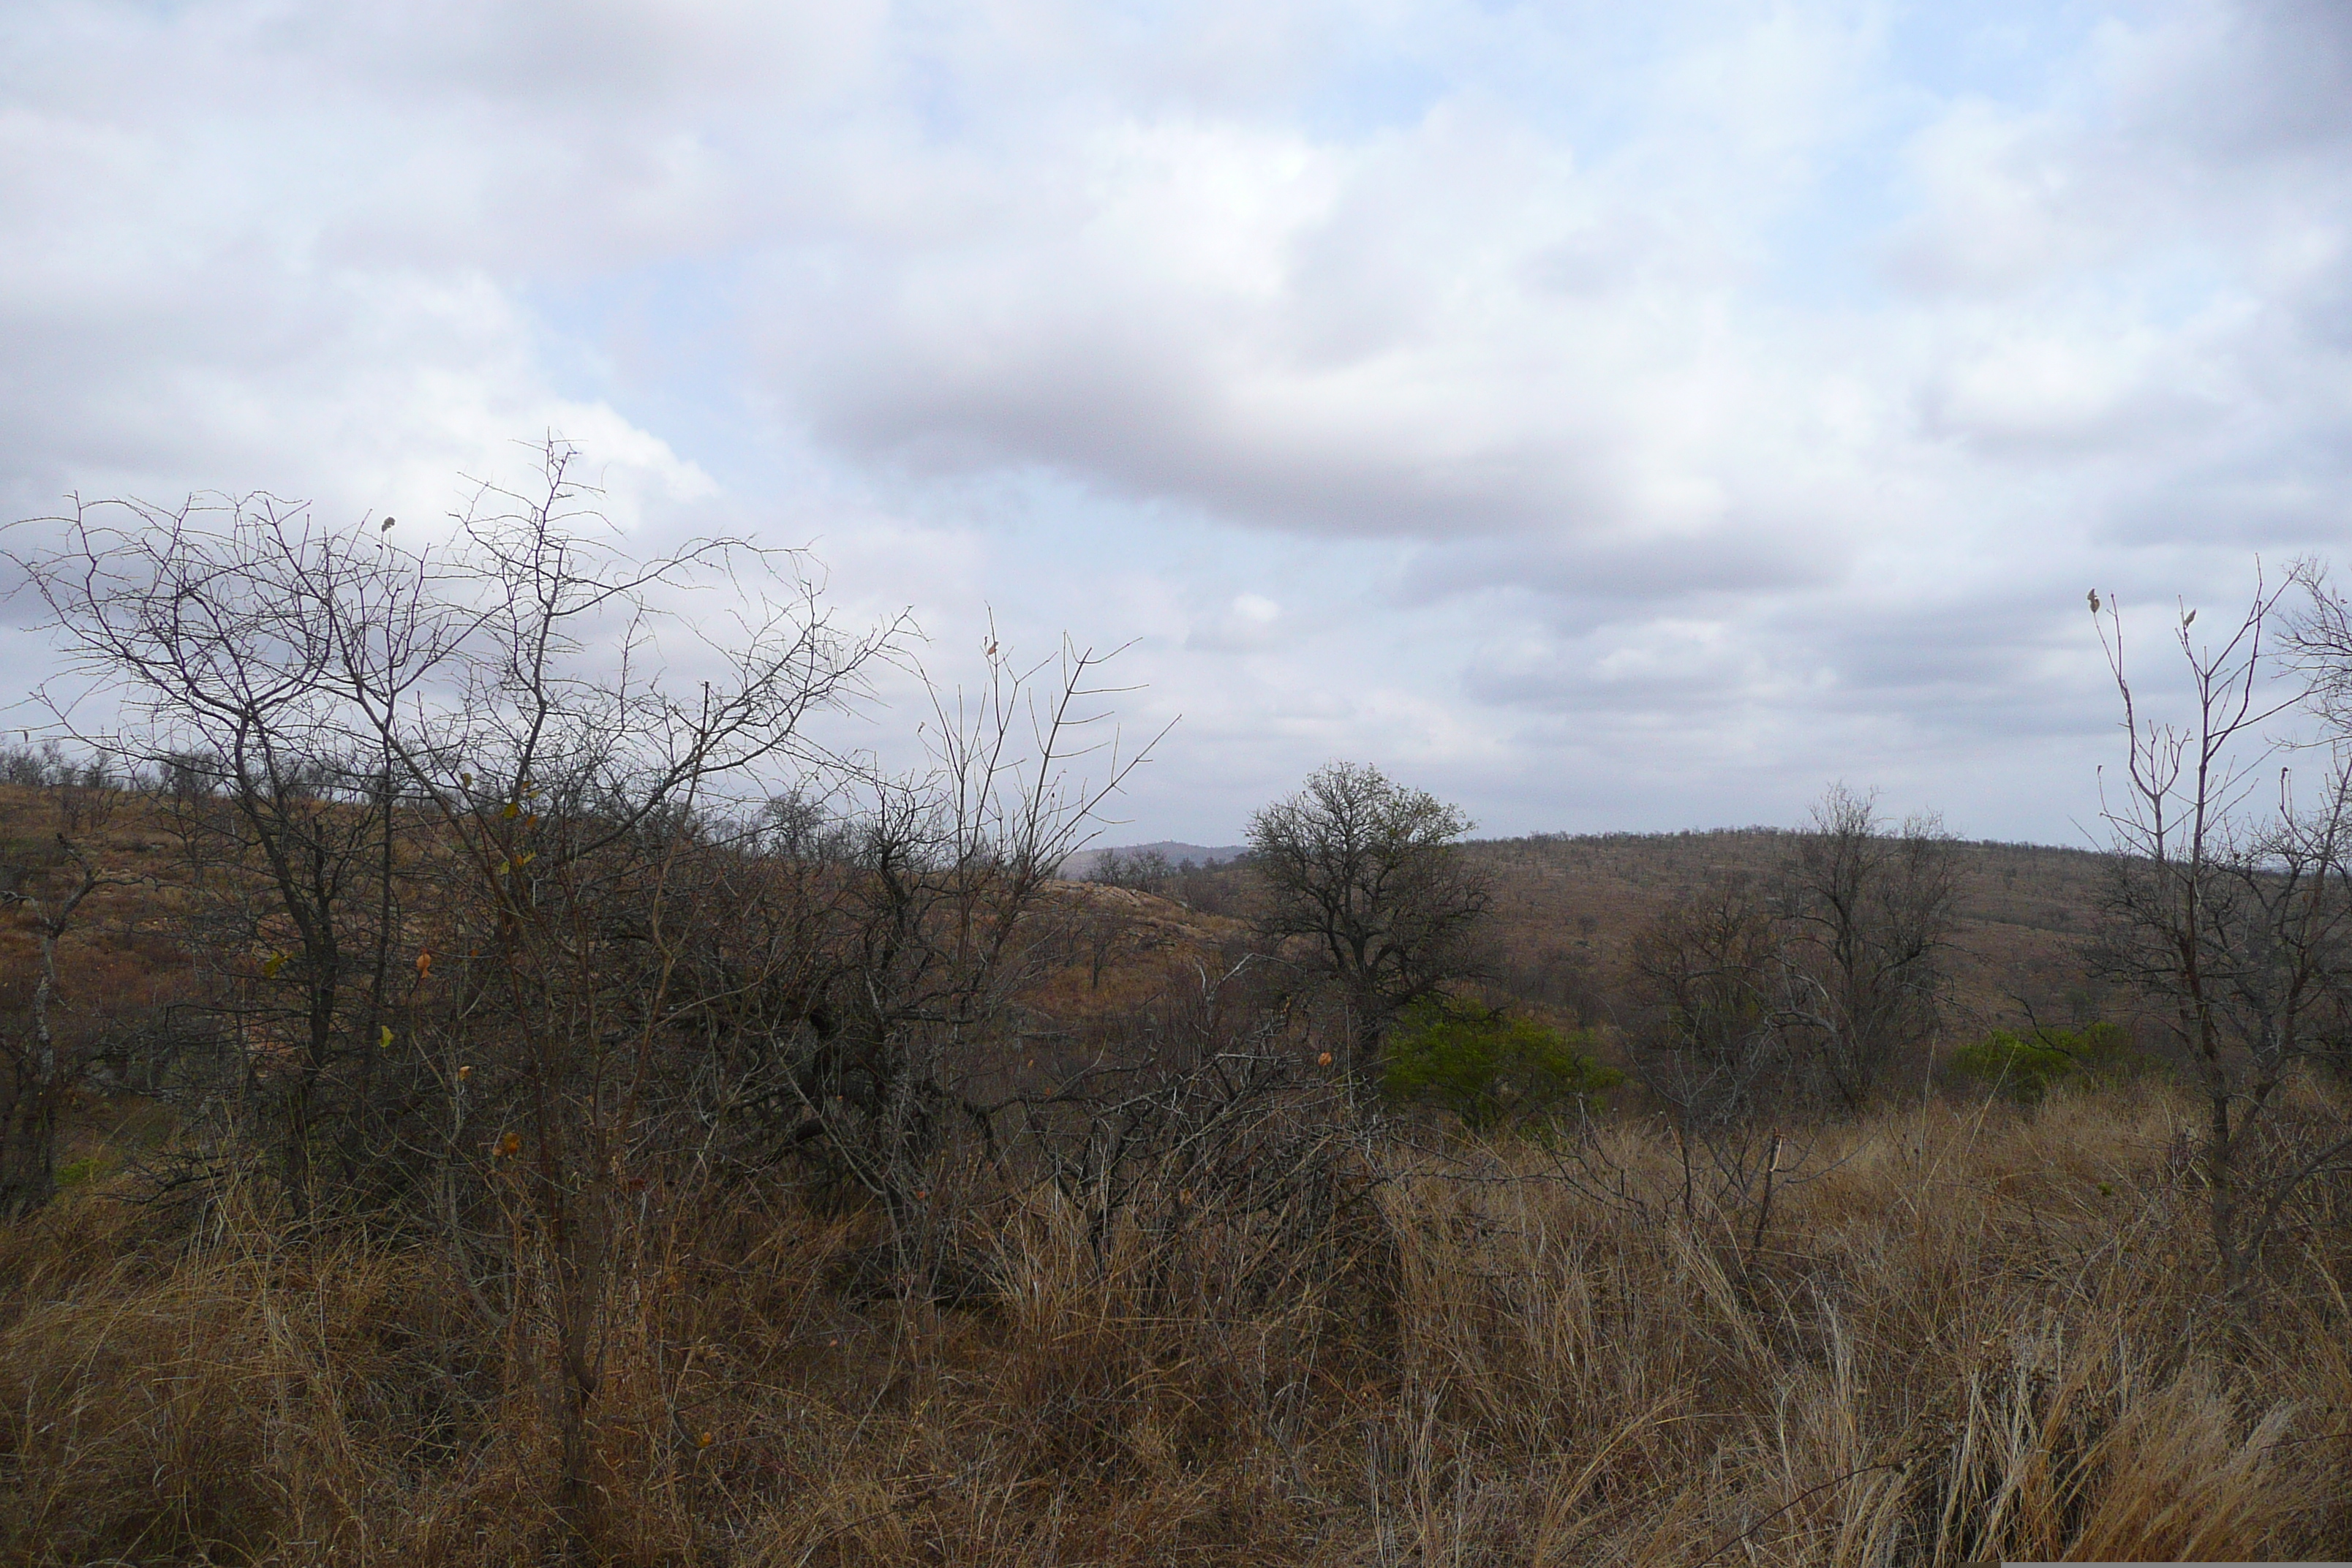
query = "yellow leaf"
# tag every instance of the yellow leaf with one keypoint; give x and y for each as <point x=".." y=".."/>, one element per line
<point x="511" y="811"/>
<point x="386" y="1043"/>
<point x="273" y="964"/>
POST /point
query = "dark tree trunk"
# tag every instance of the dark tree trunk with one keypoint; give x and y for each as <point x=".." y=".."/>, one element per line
<point x="28" y="1143"/>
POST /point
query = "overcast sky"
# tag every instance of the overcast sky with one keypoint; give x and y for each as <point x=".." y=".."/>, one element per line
<point x="1606" y="415"/>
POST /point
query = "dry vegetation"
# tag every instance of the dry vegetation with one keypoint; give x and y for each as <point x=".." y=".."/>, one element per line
<point x="1568" y="907"/>
<point x="464" y="1106"/>
<point x="1975" y="1333"/>
<point x="1970" y="1329"/>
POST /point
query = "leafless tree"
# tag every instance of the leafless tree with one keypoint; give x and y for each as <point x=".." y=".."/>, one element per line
<point x="38" y="1068"/>
<point x="1105" y="923"/>
<point x="1752" y="994"/>
<point x="939" y="918"/>
<point x="501" y="910"/>
<point x="453" y="822"/>
<point x="1369" y="876"/>
<point x="1865" y="917"/>
<point x="245" y="642"/>
<point x="2235" y="919"/>
<point x="1706" y="1030"/>
<point x="1818" y="977"/>
<point x="1142" y="871"/>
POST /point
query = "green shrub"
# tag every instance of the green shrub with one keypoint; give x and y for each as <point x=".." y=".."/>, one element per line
<point x="74" y="1172"/>
<point x="2026" y="1066"/>
<point x="1488" y="1067"/>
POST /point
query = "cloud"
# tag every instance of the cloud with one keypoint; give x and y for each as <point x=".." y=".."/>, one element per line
<point x="1652" y="411"/>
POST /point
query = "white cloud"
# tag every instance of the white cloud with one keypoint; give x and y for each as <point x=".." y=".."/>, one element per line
<point x="1620" y="414"/>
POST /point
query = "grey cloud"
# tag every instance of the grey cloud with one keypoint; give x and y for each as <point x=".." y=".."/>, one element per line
<point x="1577" y="574"/>
<point x="2250" y="80"/>
<point x="1951" y="667"/>
<point x="2279" y="493"/>
<point x="1115" y="395"/>
<point x="1516" y="324"/>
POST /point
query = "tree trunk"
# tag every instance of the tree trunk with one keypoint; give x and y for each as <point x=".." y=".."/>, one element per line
<point x="578" y="1235"/>
<point x="28" y="1143"/>
<point x="2222" y="1196"/>
<point x="1371" y="1031"/>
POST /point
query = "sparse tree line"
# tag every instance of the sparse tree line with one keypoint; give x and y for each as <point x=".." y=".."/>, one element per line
<point x="502" y="930"/>
<point x="503" y="935"/>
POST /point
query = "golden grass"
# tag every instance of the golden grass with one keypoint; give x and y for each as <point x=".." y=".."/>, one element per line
<point x="1979" y="1332"/>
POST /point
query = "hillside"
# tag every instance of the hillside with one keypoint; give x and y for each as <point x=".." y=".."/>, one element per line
<point x="123" y="959"/>
<point x="1152" y="1306"/>
<point x="1175" y="852"/>
<point x="1568" y="908"/>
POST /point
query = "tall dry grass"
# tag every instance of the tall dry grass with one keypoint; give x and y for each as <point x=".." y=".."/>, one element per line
<point x="1972" y="1332"/>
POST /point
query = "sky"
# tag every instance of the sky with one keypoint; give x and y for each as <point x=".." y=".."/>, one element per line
<point x="1606" y="417"/>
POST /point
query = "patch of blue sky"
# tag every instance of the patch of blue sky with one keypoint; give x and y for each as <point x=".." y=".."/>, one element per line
<point x="1363" y="97"/>
<point x="934" y="95"/>
<point x="1822" y="247"/>
<point x="2018" y="52"/>
<point x="1585" y="81"/>
<point x="662" y="344"/>
<point x="1825" y="247"/>
<point x="2176" y="290"/>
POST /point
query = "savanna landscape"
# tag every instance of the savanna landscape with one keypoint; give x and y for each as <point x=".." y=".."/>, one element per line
<point x="471" y="1102"/>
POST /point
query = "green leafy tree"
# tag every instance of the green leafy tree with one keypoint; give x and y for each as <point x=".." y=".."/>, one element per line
<point x="1369" y="874"/>
<point x="1488" y="1067"/>
<point x="2027" y="1066"/>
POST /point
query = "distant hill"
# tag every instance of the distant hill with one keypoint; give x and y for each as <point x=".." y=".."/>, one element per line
<point x="1082" y="864"/>
<point x="1566" y="913"/>
<point x="1567" y="910"/>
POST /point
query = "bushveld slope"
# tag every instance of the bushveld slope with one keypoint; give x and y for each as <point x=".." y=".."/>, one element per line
<point x="1567" y="908"/>
<point x="1961" y="1330"/>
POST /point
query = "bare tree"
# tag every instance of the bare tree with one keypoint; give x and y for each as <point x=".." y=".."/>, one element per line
<point x="38" y="1068"/>
<point x="454" y="825"/>
<point x="940" y="919"/>
<point x="1865" y="916"/>
<point x="2236" y="922"/>
<point x="248" y="645"/>
<point x="1370" y="875"/>
<point x="1819" y="978"/>
<point x="503" y="910"/>
<point x="1707" y="1033"/>
<point x="1140" y="870"/>
<point x="1106" y="923"/>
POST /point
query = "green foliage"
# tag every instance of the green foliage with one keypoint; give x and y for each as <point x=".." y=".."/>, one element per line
<point x="74" y="1172"/>
<point x="1488" y="1067"/>
<point x="2026" y="1066"/>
